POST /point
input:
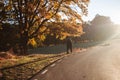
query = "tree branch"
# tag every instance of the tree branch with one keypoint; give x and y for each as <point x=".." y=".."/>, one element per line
<point x="46" y="20"/>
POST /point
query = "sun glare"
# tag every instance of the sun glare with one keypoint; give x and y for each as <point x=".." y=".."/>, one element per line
<point x="116" y="20"/>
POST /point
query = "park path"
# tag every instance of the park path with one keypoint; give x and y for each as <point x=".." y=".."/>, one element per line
<point x="97" y="63"/>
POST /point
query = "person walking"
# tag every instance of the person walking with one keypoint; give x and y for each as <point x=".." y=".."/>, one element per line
<point x="69" y="45"/>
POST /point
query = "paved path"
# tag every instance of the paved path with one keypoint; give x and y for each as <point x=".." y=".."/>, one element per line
<point x="98" y="63"/>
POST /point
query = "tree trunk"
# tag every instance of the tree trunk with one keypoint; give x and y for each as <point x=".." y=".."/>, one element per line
<point x="23" y="43"/>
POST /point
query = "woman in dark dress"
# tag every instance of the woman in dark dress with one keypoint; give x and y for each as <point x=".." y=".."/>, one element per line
<point x="69" y="45"/>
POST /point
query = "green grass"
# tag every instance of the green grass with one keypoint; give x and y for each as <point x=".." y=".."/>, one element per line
<point x="41" y="60"/>
<point x="23" y="59"/>
<point x="28" y="70"/>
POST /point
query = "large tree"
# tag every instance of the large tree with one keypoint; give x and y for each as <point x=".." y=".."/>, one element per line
<point x="31" y="15"/>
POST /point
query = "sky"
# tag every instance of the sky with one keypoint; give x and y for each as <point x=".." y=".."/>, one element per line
<point x="110" y="8"/>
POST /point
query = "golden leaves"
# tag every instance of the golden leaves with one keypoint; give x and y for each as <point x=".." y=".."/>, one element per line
<point x="68" y="2"/>
<point x="56" y="4"/>
<point x="9" y="7"/>
<point x="85" y="0"/>
<point x="32" y="42"/>
<point x="42" y="29"/>
<point x="49" y="15"/>
<point x="42" y="11"/>
<point x="58" y="16"/>
<point x="62" y="29"/>
<point x="42" y="37"/>
<point x="39" y="11"/>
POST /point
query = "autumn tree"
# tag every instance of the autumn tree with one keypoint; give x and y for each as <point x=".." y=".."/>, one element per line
<point x="8" y="30"/>
<point x="31" y="15"/>
<point x="58" y="31"/>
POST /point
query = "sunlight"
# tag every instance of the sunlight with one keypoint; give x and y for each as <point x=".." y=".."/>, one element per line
<point x="111" y="10"/>
<point x="116" y="20"/>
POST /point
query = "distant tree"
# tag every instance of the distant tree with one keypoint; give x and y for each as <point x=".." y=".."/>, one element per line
<point x="87" y="32"/>
<point x="101" y="20"/>
<point x="100" y="28"/>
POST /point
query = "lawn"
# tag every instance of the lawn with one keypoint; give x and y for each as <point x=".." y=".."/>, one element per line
<point x="15" y="67"/>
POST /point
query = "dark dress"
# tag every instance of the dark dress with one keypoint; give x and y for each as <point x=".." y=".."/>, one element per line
<point x="69" y="45"/>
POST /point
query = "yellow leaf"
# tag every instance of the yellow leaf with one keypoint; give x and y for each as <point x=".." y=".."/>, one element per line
<point x="58" y="16"/>
<point x="43" y="28"/>
<point x="68" y="2"/>
<point x="56" y="5"/>
<point x="57" y="36"/>
<point x="8" y="7"/>
<point x="41" y="37"/>
<point x="49" y="15"/>
<point x="32" y="42"/>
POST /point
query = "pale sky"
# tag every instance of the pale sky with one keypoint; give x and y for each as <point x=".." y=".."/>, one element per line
<point x="110" y="8"/>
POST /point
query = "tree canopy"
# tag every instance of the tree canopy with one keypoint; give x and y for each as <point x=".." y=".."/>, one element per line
<point x="30" y="16"/>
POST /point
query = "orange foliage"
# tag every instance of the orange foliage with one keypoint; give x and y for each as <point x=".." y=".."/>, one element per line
<point x="32" y="15"/>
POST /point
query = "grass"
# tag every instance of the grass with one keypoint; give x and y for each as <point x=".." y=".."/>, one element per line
<point x="31" y="64"/>
<point x="26" y="71"/>
<point x="23" y="59"/>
